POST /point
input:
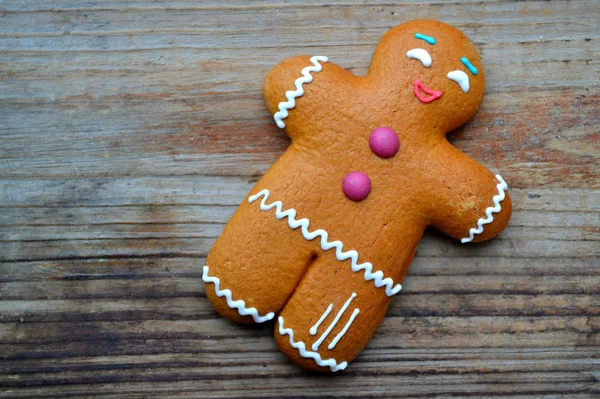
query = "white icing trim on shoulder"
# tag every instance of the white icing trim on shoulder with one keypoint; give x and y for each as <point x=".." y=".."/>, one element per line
<point x="239" y="304"/>
<point x="377" y="277"/>
<point x="291" y="95"/>
<point x="502" y="187"/>
<point x="331" y="363"/>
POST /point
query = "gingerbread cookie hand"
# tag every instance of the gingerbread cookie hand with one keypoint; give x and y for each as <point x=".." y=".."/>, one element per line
<point x="324" y="239"/>
<point x="470" y="203"/>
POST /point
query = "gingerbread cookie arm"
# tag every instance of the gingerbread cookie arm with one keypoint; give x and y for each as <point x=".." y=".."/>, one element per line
<point x="296" y="89"/>
<point x="471" y="203"/>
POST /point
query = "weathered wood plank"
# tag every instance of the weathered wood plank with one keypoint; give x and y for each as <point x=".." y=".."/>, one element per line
<point x="513" y="385"/>
<point x="416" y="333"/>
<point x="170" y="308"/>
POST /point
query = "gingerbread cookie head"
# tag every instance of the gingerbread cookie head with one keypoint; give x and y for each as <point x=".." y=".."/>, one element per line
<point x="430" y="63"/>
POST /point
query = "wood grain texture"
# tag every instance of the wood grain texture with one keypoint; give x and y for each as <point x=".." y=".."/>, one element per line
<point x="129" y="132"/>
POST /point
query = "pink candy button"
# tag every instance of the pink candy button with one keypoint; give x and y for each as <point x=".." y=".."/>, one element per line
<point x="384" y="142"/>
<point x="356" y="186"/>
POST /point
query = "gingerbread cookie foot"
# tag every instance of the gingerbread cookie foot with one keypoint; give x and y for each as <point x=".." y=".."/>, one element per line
<point x="305" y="353"/>
<point x="239" y="304"/>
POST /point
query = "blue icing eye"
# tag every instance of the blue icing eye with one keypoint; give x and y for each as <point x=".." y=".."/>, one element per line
<point x="428" y="39"/>
<point x="470" y="66"/>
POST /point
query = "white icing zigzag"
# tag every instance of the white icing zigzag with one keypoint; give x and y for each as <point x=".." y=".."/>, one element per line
<point x="292" y="95"/>
<point x="239" y="304"/>
<point x="331" y="363"/>
<point x="502" y="187"/>
<point x="379" y="281"/>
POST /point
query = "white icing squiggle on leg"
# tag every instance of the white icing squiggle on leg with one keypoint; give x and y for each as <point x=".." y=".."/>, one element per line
<point x="291" y="95"/>
<point x="502" y="187"/>
<point x="367" y="267"/>
<point x="331" y="363"/>
<point x="239" y="304"/>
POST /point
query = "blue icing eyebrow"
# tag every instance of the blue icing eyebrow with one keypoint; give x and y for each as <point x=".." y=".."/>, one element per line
<point x="428" y="39"/>
<point x="468" y="64"/>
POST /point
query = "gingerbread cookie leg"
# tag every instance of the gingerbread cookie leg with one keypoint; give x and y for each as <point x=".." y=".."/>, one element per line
<point x="256" y="263"/>
<point x="331" y="316"/>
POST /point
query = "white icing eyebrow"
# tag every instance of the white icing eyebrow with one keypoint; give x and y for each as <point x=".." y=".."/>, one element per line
<point x="421" y="55"/>
<point x="461" y="78"/>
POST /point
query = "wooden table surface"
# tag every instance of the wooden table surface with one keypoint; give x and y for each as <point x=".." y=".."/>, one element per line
<point x="130" y="131"/>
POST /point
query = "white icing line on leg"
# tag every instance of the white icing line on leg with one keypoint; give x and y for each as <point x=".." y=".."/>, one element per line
<point x="331" y="363"/>
<point x="344" y="330"/>
<point x="313" y="329"/>
<point x="239" y="304"/>
<point x="315" y="346"/>
<point x="304" y="223"/>
<point x="291" y="95"/>
<point x="502" y="187"/>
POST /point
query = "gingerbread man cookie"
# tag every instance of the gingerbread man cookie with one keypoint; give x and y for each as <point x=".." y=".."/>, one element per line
<point x="326" y="236"/>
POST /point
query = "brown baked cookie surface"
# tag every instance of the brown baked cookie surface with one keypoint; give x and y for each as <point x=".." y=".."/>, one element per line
<point x="323" y="240"/>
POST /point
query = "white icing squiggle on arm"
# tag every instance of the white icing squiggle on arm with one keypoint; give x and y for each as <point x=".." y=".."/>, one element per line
<point x="291" y="95"/>
<point x="377" y="277"/>
<point x="301" y="346"/>
<point x="502" y="187"/>
<point x="239" y="304"/>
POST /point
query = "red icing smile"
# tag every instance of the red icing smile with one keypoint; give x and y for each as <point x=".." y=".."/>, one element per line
<point x="432" y="94"/>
